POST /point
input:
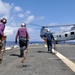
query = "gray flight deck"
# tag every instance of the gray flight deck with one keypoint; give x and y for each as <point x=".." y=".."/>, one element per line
<point x="38" y="62"/>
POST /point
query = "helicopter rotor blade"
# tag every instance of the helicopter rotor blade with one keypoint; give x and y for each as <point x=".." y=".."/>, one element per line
<point x="60" y="25"/>
<point x="51" y="26"/>
<point x="34" y="24"/>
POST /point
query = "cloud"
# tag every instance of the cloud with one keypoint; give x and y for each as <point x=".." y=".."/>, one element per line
<point x="10" y="30"/>
<point x="18" y="9"/>
<point x="27" y="13"/>
<point x="21" y="15"/>
<point x="65" y="28"/>
<point x="30" y="19"/>
<point x="34" y="34"/>
<point x="14" y="20"/>
<point x="40" y="18"/>
<point x="5" y="9"/>
<point x="31" y="30"/>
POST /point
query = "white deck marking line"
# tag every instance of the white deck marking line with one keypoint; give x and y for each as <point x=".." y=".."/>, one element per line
<point x="68" y="62"/>
<point x="57" y="58"/>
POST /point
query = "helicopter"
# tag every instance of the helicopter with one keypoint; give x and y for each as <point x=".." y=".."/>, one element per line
<point x="59" y="36"/>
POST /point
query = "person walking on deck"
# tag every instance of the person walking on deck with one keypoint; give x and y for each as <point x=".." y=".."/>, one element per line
<point x="49" y="37"/>
<point x="23" y="35"/>
<point x="3" y="21"/>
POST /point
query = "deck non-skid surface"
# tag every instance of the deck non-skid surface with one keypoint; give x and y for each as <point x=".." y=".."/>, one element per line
<point x="38" y="62"/>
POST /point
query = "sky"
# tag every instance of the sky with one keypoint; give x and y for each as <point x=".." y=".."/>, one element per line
<point x="41" y="12"/>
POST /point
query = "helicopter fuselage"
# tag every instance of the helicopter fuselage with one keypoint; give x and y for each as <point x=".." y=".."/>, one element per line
<point x="61" y="36"/>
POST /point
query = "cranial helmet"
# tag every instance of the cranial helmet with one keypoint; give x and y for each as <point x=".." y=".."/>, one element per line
<point x="23" y="24"/>
<point x="48" y="30"/>
<point x="4" y="20"/>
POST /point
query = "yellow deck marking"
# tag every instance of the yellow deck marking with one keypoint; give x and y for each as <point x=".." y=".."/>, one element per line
<point x="68" y="62"/>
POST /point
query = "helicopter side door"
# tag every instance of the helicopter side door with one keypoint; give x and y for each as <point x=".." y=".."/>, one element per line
<point x="62" y="36"/>
<point x="72" y="34"/>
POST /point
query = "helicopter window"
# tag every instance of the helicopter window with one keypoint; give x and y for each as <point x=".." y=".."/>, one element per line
<point x="72" y="33"/>
<point x="59" y="35"/>
<point x="65" y="35"/>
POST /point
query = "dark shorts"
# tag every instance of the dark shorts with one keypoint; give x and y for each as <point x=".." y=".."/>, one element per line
<point x="22" y="42"/>
<point x="49" y="42"/>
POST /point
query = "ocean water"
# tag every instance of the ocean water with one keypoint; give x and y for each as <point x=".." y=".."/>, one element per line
<point x="12" y="43"/>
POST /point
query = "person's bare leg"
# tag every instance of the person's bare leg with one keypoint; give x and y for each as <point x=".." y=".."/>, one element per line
<point x="54" y="49"/>
<point x="25" y="55"/>
<point x="1" y="56"/>
<point x="1" y="52"/>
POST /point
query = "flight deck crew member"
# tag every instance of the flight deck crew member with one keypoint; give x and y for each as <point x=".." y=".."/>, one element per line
<point x="49" y="37"/>
<point x="23" y="35"/>
<point x="3" y="21"/>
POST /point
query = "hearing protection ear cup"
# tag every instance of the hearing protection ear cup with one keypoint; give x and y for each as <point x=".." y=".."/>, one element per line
<point x="4" y="20"/>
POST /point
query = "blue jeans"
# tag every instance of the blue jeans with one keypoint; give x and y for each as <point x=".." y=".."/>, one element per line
<point x="49" y="45"/>
<point x="23" y="46"/>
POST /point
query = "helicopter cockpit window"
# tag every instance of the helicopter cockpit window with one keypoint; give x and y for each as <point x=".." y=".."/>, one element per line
<point x="72" y="33"/>
<point x="73" y="28"/>
<point x="65" y="35"/>
<point x="59" y="35"/>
